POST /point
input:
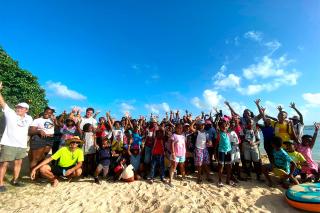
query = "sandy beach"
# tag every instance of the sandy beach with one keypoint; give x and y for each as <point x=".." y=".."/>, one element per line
<point x="140" y="196"/>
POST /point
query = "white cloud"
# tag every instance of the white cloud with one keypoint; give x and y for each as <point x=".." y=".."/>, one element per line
<point x="229" y="81"/>
<point x="313" y="99"/>
<point x="254" y="35"/>
<point x="157" y="108"/>
<point x="63" y="91"/>
<point x="211" y="99"/>
<point x="155" y="76"/>
<point x="273" y="45"/>
<point x="126" y="108"/>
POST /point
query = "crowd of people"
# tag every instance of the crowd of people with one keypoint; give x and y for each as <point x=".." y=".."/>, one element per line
<point x="70" y="146"/>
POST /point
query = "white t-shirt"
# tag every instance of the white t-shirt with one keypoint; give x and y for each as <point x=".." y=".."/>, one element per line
<point x="127" y="173"/>
<point x="201" y="142"/>
<point x="45" y="125"/>
<point x="234" y="140"/>
<point x="89" y="143"/>
<point x="16" y="131"/>
<point x="90" y="120"/>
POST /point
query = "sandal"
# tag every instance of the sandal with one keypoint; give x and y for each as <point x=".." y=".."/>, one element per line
<point x="231" y="183"/>
<point x="220" y="184"/>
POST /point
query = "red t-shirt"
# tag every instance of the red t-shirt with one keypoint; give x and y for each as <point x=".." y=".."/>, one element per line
<point x="102" y="128"/>
<point x="158" y="148"/>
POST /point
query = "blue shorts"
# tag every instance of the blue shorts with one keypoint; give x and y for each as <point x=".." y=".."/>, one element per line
<point x="180" y="159"/>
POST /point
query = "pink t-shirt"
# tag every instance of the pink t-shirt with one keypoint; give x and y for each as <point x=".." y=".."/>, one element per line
<point x="179" y="145"/>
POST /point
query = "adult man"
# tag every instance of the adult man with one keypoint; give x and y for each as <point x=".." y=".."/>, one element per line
<point x="88" y="118"/>
<point x="70" y="162"/>
<point x="14" y="140"/>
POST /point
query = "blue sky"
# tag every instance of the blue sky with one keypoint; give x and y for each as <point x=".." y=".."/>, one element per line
<point x="153" y="56"/>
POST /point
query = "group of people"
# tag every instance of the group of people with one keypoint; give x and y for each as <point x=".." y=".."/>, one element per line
<point x="70" y="146"/>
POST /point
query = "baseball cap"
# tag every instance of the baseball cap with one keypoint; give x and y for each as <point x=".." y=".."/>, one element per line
<point x="200" y="122"/>
<point x="23" y="105"/>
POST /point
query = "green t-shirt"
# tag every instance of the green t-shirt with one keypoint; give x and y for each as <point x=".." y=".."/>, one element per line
<point x="298" y="158"/>
<point x="68" y="158"/>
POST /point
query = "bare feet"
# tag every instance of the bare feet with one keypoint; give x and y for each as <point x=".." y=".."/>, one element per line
<point x="55" y="183"/>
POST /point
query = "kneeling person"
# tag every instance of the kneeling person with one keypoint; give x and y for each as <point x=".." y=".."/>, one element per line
<point x="70" y="162"/>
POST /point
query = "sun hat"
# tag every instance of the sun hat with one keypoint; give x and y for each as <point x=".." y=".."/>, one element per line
<point x="23" y="105"/>
<point x="153" y="120"/>
<point x="74" y="139"/>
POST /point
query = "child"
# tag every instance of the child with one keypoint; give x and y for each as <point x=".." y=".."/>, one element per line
<point x="118" y="133"/>
<point x="224" y="152"/>
<point x="103" y="160"/>
<point x="89" y="149"/>
<point x="158" y="155"/>
<point x="124" y="172"/>
<point x="135" y="159"/>
<point x="281" y="165"/>
<point x="68" y="131"/>
<point x="235" y="151"/>
<point x="305" y="149"/>
<point x="202" y="158"/>
<point x="178" y="147"/>
<point x="251" y="140"/>
<point x="297" y="157"/>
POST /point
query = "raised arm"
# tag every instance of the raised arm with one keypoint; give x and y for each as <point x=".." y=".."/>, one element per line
<point x="293" y="106"/>
<point x="315" y="134"/>
<point x="2" y="101"/>
<point x="192" y="129"/>
<point x="230" y="108"/>
<point x="109" y="120"/>
<point x="261" y="110"/>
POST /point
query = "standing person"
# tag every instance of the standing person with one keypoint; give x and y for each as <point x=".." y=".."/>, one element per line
<point x="224" y="152"/>
<point x="251" y="140"/>
<point x="89" y="148"/>
<point x="70" y="161"/>
<point x="41" y="131"/>
<point x="88" y="118"/>
<point x="158" y="155"/>
<point x="103" y="159"/>
<point x="14" y="139"/>
<point x="202" y="159"/>
<point x="297" y="122"/>
<point x="150" y="137"/>
<point x="178" y="147"/>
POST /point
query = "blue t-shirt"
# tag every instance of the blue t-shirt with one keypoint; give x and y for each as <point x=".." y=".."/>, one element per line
<point x="137" y="139"/>
<point x="212" y="133"/>
<point x="224" y="143"/>
<point x="282" y="160"/>
<point x="104" y="156"/>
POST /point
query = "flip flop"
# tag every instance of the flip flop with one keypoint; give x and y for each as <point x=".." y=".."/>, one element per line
<point x="231" y="183"/>
<point x="220" y="184"/>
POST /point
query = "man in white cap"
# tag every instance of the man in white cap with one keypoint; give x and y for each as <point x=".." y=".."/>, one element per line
<point x="14" y="139"/>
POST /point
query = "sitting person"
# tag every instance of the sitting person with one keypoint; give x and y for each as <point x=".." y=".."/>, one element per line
<point x="297" y="157"/>
<point x="281" y="165"/>
<point x="305" y="148"/>
<point x="70" y="162"/>
<point x="124" y="172"/>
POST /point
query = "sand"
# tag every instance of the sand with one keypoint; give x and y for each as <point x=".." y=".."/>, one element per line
<point x="140" y="196"/>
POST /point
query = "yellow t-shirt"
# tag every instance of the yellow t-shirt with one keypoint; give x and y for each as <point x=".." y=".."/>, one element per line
<point x="68" y="158"/>
<point x="282" y="130"/>
<point x="297" y="157"/>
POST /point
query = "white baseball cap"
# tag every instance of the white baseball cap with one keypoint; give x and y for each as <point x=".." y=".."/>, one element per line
<point x="23" y="105"/>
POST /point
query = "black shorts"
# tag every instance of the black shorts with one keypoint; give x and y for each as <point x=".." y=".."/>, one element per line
<point x="224" y="157"/>
<point x="58" y="171"/>
<point x="37" y="142"/>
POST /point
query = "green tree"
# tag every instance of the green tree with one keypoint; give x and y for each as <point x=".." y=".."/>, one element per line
<point x="20" y="85"/>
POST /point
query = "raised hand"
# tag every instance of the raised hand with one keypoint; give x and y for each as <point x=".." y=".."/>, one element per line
<point x="257" y="101"/>
<point x="227" y="103"/>
<point x="280" y="108"/>
<point x="316" y="126"/>
<point x="292" y="105"/>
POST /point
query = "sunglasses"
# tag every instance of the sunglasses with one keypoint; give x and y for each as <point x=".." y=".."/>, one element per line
<point x="74" y="143"/>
